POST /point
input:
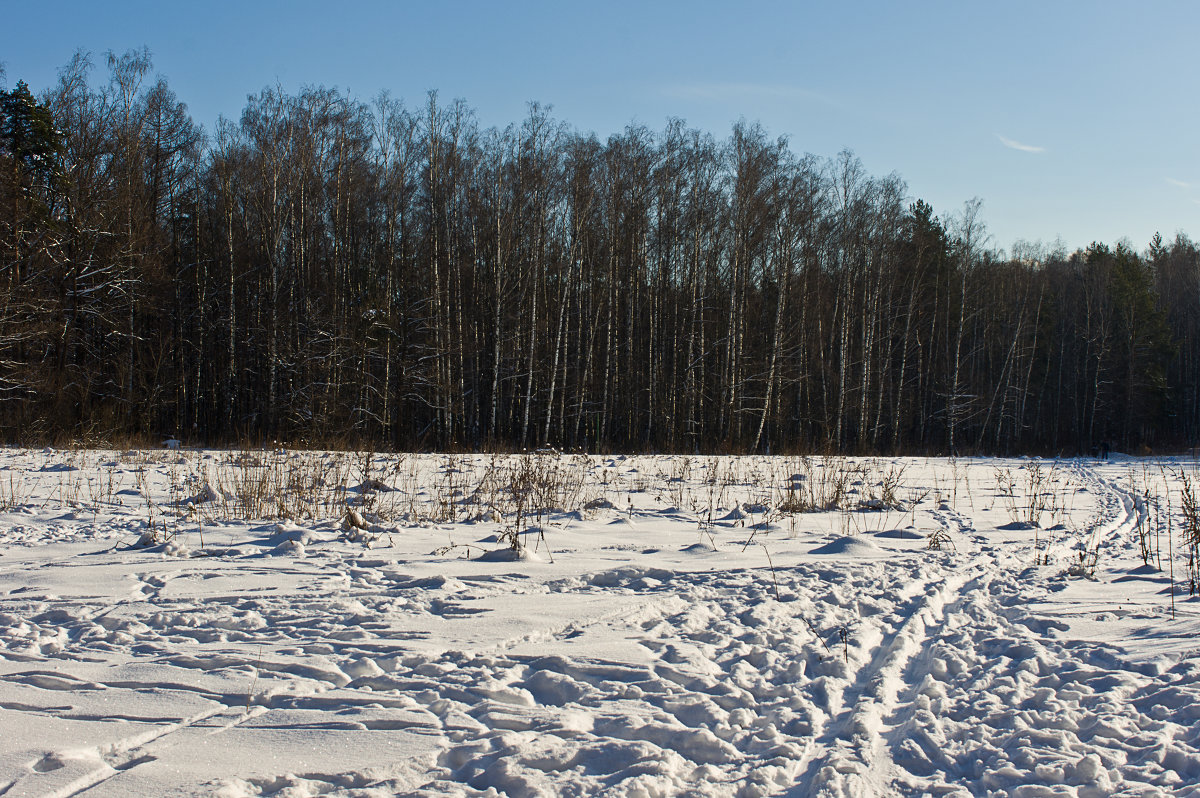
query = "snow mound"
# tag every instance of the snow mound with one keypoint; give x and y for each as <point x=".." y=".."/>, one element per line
<point x="289" y="548"/>
<point x="509" y="555"/>
<point x="875" y="504"/>
<point x="900" y="534"/>
<point x="205" y="495"/>
<point x="850" y="546"/>
<point x="57" y="468"/>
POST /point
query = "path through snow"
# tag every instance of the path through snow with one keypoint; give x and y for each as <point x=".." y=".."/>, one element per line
<point x="644" y="650"/>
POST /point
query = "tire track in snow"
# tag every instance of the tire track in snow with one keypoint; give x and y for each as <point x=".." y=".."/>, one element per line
<point x="847" y="756"/>
<point x="998" y="704"/>
<point x="1123" y="509"/>
<point x="995" y="705"/>
<point x="114" y="758"/>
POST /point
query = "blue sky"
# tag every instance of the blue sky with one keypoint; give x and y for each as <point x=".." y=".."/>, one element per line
<point x="1077" y="120"/>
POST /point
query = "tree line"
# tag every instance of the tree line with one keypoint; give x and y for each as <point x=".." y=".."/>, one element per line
<point x="330" y="269"/>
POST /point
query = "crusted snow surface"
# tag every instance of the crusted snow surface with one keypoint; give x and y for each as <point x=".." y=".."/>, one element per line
<point x="185" y="623"/>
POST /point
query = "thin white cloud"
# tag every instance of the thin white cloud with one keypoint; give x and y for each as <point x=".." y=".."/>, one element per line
<point x="1016" y="145"/>
<point x="1179" y="183"/>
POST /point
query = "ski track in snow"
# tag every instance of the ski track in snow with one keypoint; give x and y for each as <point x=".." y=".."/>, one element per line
<point x="285" y="660"/>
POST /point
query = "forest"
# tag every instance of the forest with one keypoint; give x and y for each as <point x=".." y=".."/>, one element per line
<point x="326" y="269"/>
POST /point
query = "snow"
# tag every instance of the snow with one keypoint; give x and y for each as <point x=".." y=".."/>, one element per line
<point x="179" y="622"/>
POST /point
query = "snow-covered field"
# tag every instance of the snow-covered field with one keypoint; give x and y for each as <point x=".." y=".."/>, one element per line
<point x="297" y="624"/>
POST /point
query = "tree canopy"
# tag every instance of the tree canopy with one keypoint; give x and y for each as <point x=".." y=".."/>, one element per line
<point x="325" y="269"/>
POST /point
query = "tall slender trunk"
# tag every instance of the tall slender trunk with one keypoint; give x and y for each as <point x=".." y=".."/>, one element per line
<point x="782" y="277"/>
<point x="956" y="369"/>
